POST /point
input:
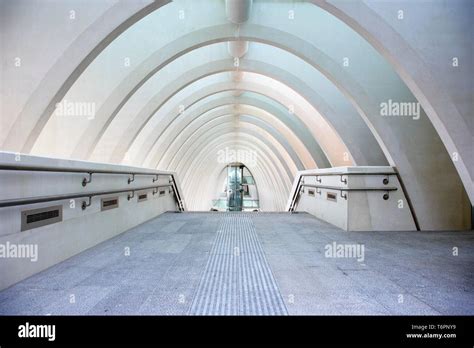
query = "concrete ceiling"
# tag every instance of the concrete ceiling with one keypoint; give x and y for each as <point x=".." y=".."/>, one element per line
<point x="299" y="83"/>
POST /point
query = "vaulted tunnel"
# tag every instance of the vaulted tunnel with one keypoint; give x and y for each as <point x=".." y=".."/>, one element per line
<point x="358" y="113"/>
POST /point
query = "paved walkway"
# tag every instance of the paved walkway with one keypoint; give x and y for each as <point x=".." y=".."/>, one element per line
<point x="255" y="264"/>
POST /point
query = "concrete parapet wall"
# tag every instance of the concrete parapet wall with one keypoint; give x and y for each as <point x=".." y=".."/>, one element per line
<point x="355" y="199"/>
<point x="79" y="229"/>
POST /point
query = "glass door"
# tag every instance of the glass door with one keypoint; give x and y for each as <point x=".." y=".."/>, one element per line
<point x="234" y="187"/>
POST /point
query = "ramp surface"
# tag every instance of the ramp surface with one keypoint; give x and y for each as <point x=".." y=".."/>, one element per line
<point x="255" y="264"/>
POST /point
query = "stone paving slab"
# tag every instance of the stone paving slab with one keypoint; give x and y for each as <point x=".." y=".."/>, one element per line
<point x="169" y="263"/>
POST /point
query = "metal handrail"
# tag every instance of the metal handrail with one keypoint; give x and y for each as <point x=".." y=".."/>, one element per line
<point x="75" y="170"/>
<point x="346" y="173"/>
<point x="396" y="173"/>
<point x="410" y="205"/>
<point x="337" y="188"/>
<point x="131" y="177"/>
<point x="88" y="171"/>
<point x="343" y="189"/>
<point x="176" y="193"/>
<point x="342" y="174"/>
<point x="296" y="194"/>
<point x="43" y="199"/>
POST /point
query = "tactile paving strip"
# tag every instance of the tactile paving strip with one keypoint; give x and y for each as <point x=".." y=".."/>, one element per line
<point x="237" y="279"/>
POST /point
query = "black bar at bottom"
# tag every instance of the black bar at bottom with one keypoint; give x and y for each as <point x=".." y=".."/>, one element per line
<point x="342" y="330"/>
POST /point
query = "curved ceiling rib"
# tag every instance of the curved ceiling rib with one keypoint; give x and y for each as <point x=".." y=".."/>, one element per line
<point x="277" y="189"/>
<point x="72" y="62"/>
<point x="297" y="128"/>
<point x="183" y="154"/>
<point x="95" y="131"/>
<point x="225" y="123"/>
<point x="414" y="72"/>
<point x="352" y="134"/>
<point x="265" y="162"/>
<point x="277" y="152"/>
<point x="171" y="140"/>
<point x="318" y="154"/>
<point x="336" y="84"/>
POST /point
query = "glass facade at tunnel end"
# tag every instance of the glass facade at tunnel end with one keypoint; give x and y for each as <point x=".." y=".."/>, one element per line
<point x="239" y="191"/>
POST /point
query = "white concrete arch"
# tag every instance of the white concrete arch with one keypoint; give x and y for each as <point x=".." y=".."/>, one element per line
<point x="326" y="6"/>
<point x="184" y="153"/>
<point x="417" y="161"/>
<point x="92" y="129"/>
<point x="225" y="122"/>
<point x="93" y="31"/>
<point x="372" y="21"/>
<point x="225" y="106"/>
<point x="332" y="143"/>
<point x="267" y="202"/>
<point x="416" y="148"/>
<point x="132" y="132"/>
<point x="342" y="123"/>
<point x="264" y="149"/>
<point x="352" y="135"/>
<point x="156" y="130"/>
<point x="285" y="167"/>
<point x="250" y="100"/>
<point x="284" y="136"/>
<point x="269" y="183"/>
<point x="403" y="165"/>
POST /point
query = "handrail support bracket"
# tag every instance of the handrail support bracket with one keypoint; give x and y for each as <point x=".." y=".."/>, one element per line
<point x="87" y="204"/>
<point x="86" y="181"/>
